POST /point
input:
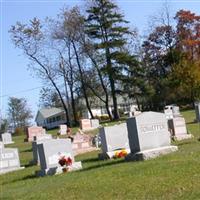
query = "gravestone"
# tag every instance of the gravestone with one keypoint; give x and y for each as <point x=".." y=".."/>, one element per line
<point x="9" y="160"/>
<point x="148" y="136"/>
<point x="113" y="138"/>
<point x="63" y="129"/>
<point x="178" y="128"/>
<point x="172" y="111"/>
<point x="85" y="124"/>
<point x="34" y="131"/>
<point x="176" y="111"/>
<point x="197" y="111"/>
<point x="168" y="113"/>
<point x="1" y="146"/>
<point x="94" y="123"/>
<point x="82" y="143"/>
<point x="38" y="140"/>
<point x="50" y="151"/>
<point x="6" y="138"/>
<point x="42" y="137"/>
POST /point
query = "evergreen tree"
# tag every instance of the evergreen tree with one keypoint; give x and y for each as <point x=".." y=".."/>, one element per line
<point x="106" y="26"/>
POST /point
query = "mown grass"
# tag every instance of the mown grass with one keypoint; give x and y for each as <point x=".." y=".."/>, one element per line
<point x="173" y="176"/>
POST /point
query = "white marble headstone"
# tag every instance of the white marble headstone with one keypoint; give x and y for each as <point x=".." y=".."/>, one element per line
<point x="9" y="160"/>
<point x="63" y="129"/>
<point x="6" y="138"/>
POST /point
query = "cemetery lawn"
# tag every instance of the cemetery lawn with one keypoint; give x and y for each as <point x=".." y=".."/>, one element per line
<point x="173" y="176"/>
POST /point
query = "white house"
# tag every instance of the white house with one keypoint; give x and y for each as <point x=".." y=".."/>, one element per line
<point x="50" y="117"/>
<point x="125" y="104"/>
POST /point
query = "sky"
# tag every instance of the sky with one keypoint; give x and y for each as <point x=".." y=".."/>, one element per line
<point x="16" y="80"/>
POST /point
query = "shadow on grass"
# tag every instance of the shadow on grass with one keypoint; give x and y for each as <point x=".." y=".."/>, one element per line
<point x="185" y="143"/>
<point x="27" y="150"/>
<point x="32" y="176"/>
<point x="89" y="160"/>
<point x="192" y="122"/>
<point x="103" y="164"/>
<point x="30" y="164"/>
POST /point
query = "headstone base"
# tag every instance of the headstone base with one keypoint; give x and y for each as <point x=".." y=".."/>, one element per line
<point x="4" y="171"/>
<point x="183" y="137"/>
<point x="58" y="170"/>
<point x="84" y="150"/>
<point x="109" y="155"/>
<point x="9" y="142"/>
<point x="150" y="154"/>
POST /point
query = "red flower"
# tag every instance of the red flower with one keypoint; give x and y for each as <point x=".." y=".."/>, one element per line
<point x="65" y="161"/>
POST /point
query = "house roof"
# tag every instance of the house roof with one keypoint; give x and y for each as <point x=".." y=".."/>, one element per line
<point x="48" y="112"/>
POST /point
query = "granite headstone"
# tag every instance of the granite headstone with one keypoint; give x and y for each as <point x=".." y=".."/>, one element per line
<point x="85" y="124"/>
<point x="50" y="151"/>
<point x="148" y="136"/>
<point x="178" y="128"/>
<point x="113" y="138"/>
<point x="9" y="160"/>
<point x="6" y="138"/>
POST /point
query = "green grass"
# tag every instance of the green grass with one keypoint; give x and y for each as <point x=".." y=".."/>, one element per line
<point x="173" y="176"/>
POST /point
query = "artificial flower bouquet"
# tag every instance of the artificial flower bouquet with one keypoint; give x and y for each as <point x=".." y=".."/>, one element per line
<point x="65" y="162"/>
<point x="120" y="153"/>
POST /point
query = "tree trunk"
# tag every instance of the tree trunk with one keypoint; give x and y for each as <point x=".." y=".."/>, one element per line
<point x="82" y="81"/>
<point x="73" y="105"/>
<point x="103" y="86"/>
<point x="112" y="84"/>
<point x="55" y="86"/>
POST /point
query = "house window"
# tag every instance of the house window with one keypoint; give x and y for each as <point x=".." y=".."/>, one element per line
<point x="58" y="118"/>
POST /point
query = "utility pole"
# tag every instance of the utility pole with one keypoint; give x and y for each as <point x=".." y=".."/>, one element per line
<point x="62" y="67"/>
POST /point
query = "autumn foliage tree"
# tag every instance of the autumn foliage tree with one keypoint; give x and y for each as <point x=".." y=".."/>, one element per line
<point x="187" y="71"/>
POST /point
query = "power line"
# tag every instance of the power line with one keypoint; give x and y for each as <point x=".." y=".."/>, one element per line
<point x="23" y="91"/>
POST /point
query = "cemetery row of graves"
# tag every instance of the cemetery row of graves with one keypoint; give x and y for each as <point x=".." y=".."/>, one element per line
<point x="142" y="137"/>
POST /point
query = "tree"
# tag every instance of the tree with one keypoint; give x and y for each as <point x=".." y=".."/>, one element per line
<point x="186" y="72"/>
<point x="36" y="44"/>
<point x="3" y="125"/>
<point x="49" y="98"/>
<point x="70" y="31"/>
<point x="18" y="111"/>
<point x="105" y="25"/>
<point x="158" y="58"/>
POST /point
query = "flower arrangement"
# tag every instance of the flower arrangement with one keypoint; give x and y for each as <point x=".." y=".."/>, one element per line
<point x="65" y="162"/>
<point x="120" y="153"/>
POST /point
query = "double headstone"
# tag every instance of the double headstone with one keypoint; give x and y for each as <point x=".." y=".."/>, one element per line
<point x="148" y="136"/>
<point x="82" y="143"/>
<point x="87" y="124"/>
<point x="9" y="159"/>
<point x="50" y="151"/>
<point x="6" y="138"/>
<point x="113" y="138"/>
<point x="34" y="131"/>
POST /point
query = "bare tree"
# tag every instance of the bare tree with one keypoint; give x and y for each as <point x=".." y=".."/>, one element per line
<point x="34" y="42"/>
